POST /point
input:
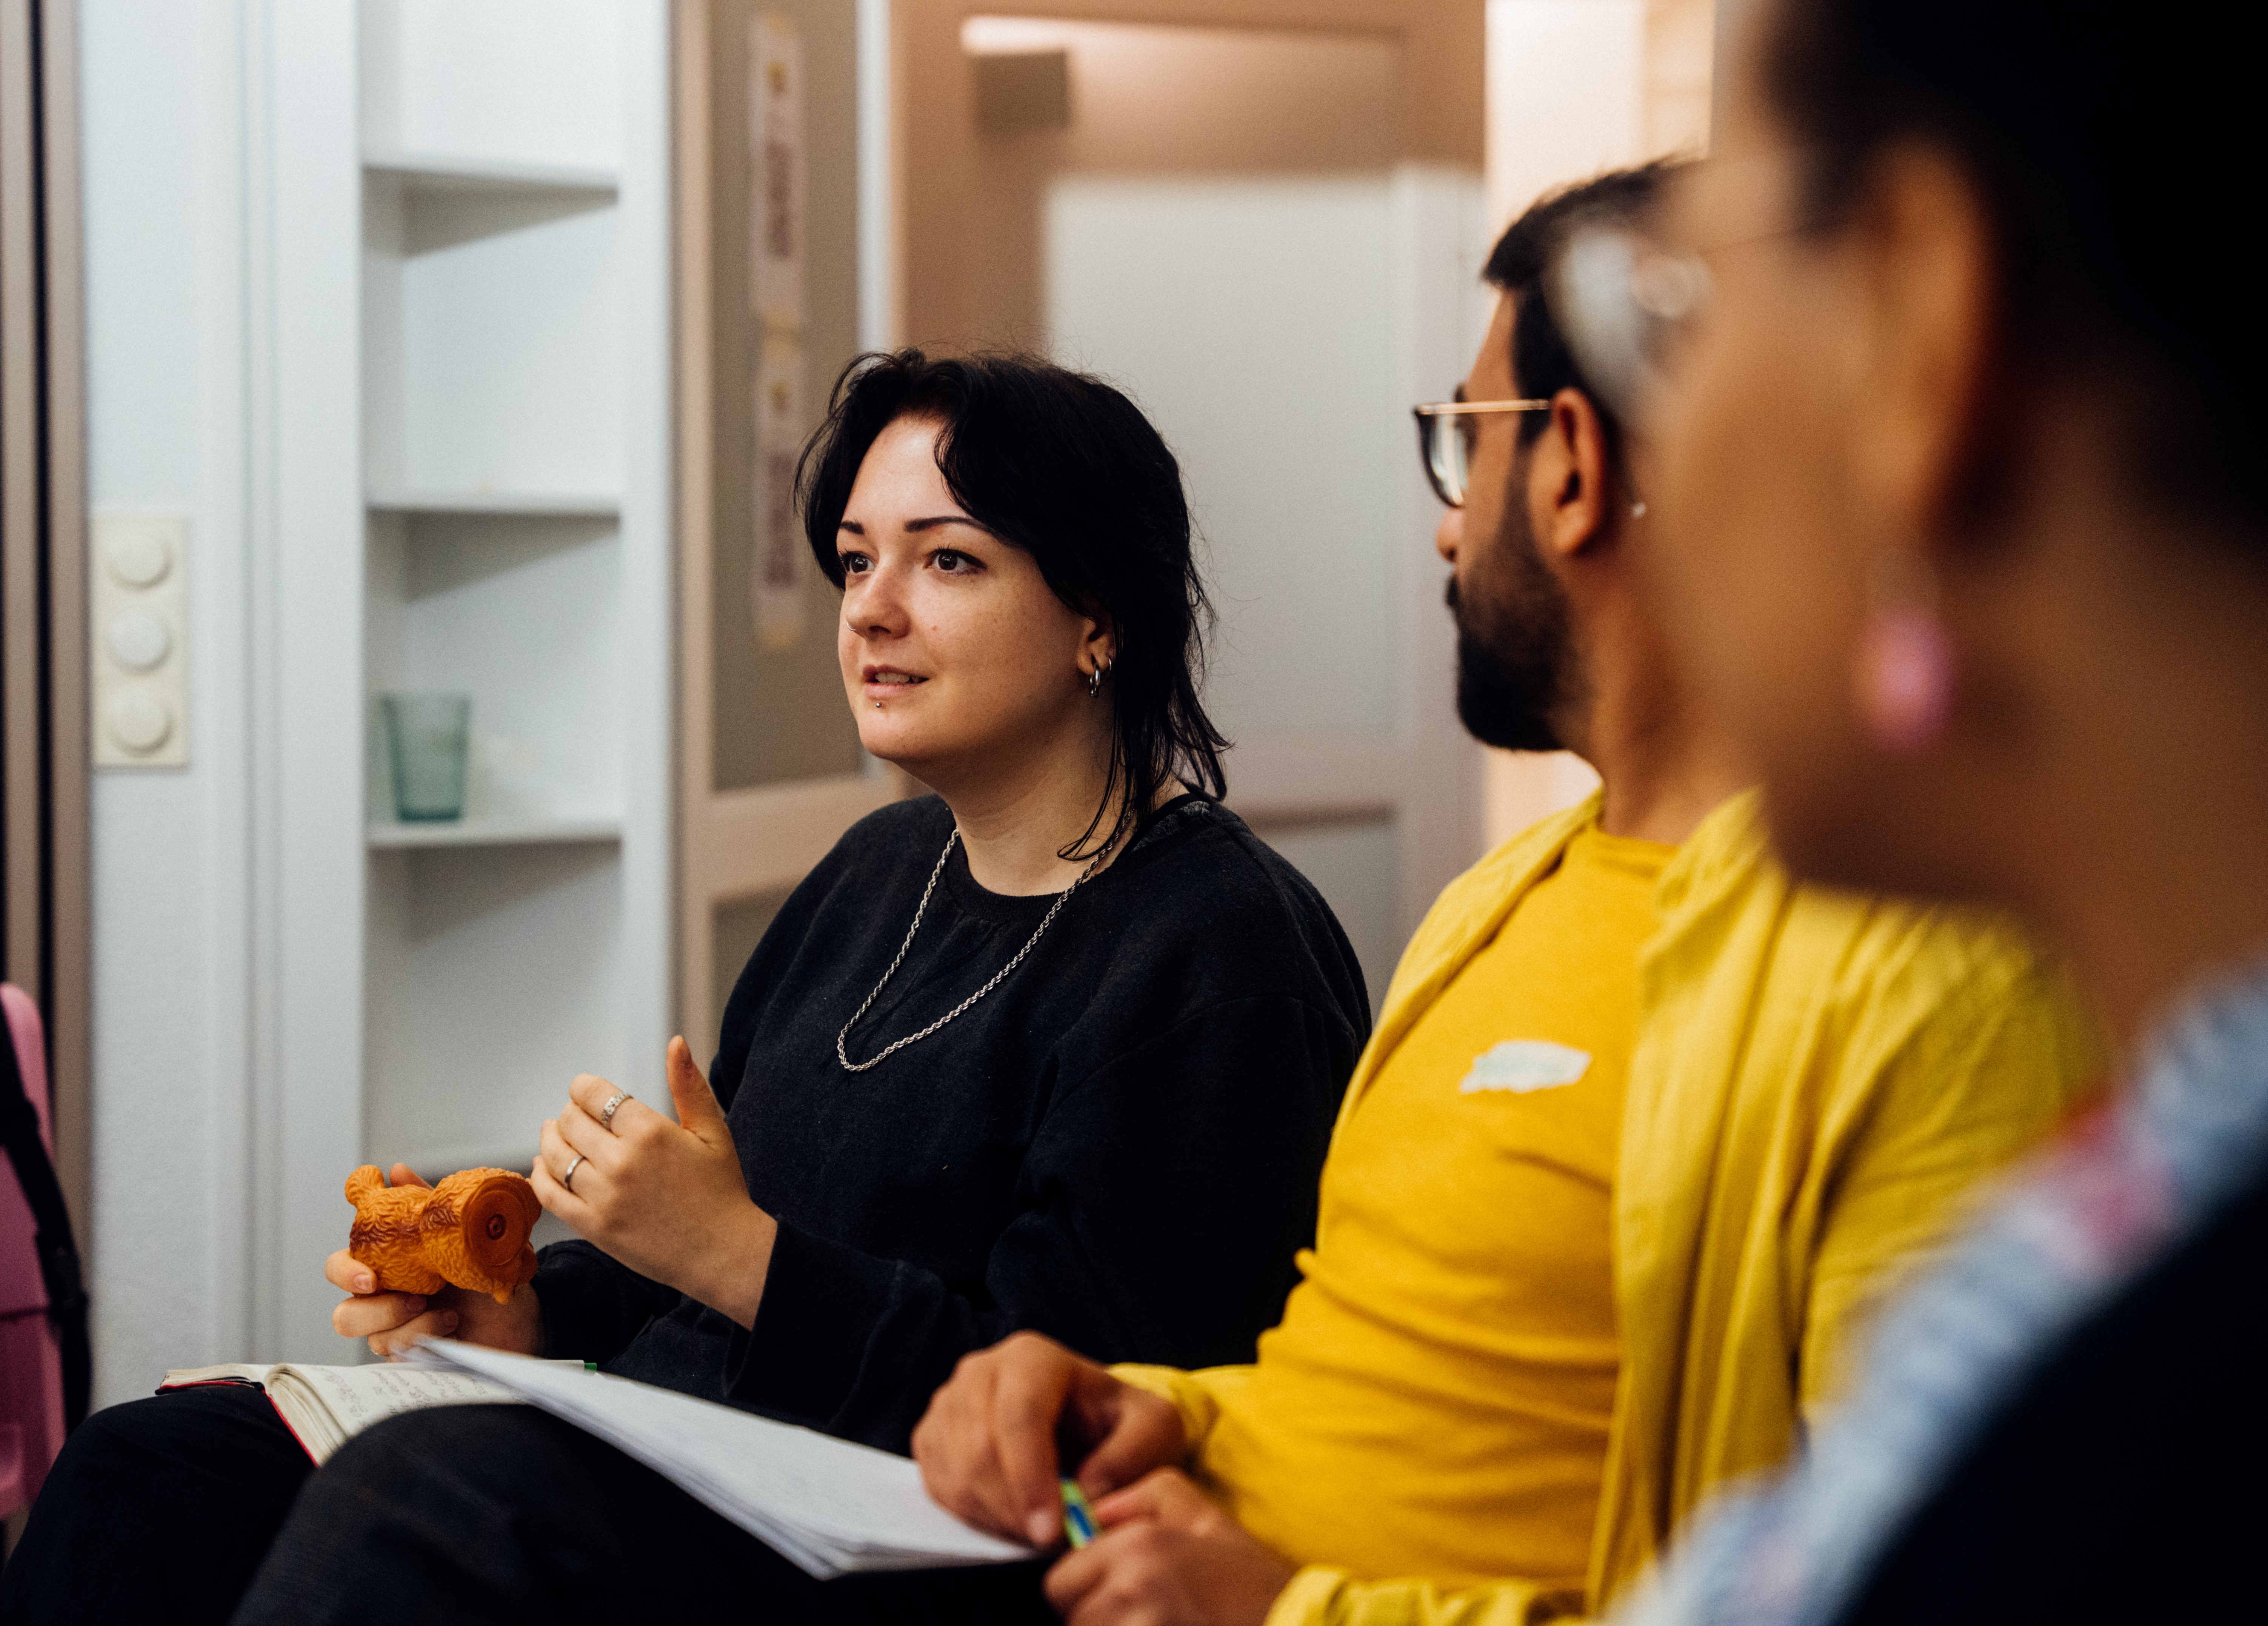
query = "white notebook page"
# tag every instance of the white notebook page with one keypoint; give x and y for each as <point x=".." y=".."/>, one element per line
<point x="829" y="1504"/>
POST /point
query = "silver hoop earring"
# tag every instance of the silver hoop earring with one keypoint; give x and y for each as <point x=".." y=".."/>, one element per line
<point x="1094" y="679"/>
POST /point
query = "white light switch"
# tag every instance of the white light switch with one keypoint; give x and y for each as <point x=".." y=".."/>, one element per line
<point x="138" y="640"/>
<point x="138" y="612"/>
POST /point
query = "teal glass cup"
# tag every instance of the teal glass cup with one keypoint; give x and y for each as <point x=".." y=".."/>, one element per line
<point x="427" y="739"/>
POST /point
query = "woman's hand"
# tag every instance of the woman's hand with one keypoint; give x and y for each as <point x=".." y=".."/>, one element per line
<point x="393" y="1321"/>
<point x="667" y="1199"/>
<point x="1168" y="1557"/>
<point x="987" y="1446"/>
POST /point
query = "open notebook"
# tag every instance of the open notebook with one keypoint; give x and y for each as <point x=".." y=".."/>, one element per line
<point x="328" y="1405"/>
<point x="830" y="1506"/>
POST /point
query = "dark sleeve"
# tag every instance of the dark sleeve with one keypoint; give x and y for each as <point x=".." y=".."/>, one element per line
<point x="1165" y="1194"/>
<point x="594" y="1305"/>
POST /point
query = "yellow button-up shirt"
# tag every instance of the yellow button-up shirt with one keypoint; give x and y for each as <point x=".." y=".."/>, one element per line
<point x="1820" y="1082"/>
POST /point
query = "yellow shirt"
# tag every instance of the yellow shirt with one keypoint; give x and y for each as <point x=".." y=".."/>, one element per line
<point x="1822" y="1081"/>
<point x="1463" y="1247"/>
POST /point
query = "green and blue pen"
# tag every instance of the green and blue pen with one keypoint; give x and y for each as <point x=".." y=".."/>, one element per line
<point x="1079" y="1518"/>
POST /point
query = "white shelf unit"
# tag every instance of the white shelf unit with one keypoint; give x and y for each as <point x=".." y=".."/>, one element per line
<point x="514" y="522"/>
<point x="463" y="281"/>
<point x="493" y="831"/>
<point x="439" y="173"/>
<point x="532" y="505"/>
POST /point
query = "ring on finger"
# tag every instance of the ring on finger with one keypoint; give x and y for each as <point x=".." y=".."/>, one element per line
<point x="606" y="1113"/>
<point x="567" y="1180"/>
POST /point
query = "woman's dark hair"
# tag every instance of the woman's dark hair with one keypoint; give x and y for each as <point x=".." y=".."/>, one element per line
<point x="2115" y="144"/>
<point x="1067" y="469"/>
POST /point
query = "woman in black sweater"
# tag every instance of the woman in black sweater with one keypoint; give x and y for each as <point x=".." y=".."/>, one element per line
<point x="1057" y="1047"/>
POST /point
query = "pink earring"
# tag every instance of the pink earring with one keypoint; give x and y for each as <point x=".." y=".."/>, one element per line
<point x="1904" y="677"/>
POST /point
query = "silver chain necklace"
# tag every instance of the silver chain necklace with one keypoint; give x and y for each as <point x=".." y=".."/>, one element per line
<point x="922" y="908"/>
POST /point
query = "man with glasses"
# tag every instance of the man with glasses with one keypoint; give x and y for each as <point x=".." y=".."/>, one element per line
<point x="1640" y="1128"/>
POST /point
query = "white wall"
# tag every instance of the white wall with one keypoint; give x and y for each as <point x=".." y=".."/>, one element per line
<point x="1576" y="86"/>
<point x="161" y="106"/>
<point x="1271" y="276"/>
<point x="1566" y="94"/>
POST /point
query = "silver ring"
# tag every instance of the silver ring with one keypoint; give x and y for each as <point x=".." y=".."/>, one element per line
<point x="567" y="1180"/>
<point x="606" y="1113"/>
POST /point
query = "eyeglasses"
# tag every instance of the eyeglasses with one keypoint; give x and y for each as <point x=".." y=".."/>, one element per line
<point x="1624" y="303"/>
<point x="1445" y="440"/>
<point x="1627" y="300"/>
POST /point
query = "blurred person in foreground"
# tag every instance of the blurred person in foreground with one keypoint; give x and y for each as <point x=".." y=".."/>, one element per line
<point x="1641" y="1128"/>
<point x="1992" y="613"/>
<point x="1059" y="1045"/>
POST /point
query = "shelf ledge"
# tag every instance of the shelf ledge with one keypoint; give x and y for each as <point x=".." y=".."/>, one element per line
<point x="432" y="172"/>
<point x="435" y="1163"/>
<point x="496" y="833"/>
<point x="537" y="505"/>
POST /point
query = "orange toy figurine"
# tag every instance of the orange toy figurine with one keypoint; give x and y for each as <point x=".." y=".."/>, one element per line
<point x="470" y="1231"/>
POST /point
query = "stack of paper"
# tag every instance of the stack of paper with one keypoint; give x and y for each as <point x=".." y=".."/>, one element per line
<point x="830" y="1505"/>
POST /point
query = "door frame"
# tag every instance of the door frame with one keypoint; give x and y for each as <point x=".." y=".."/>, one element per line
<point x="734" y="844"/>
<point x="44" y="789"/>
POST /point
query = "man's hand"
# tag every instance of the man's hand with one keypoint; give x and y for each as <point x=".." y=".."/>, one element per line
<point x="1168" y="1557"/>
<point x="987" y="1445"/>
<point x="667" y="1199"/>
<point x="393" y="1321"/>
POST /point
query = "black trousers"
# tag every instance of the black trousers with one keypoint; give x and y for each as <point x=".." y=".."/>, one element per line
<point x="199" y="1506"/>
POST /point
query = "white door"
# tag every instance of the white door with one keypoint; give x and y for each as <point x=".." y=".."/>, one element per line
<point x="1222" y="227"/>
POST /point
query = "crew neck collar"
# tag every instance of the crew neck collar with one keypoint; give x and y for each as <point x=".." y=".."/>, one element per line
<point x="1162" y="830"/>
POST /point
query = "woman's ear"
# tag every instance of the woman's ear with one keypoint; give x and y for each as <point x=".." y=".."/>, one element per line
<point x="1098" y="643"/>
<point x="1920" y="267"/>
<point x="1926" y="269"/>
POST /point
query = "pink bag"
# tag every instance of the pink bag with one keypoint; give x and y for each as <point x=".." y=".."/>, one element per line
<point x="31" y="1350"/>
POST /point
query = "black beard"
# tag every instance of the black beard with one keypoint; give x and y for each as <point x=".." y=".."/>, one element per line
<point x="1511" y="665"/>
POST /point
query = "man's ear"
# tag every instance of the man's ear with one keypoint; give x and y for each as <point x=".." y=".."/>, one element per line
<point x="1568" y="478"/>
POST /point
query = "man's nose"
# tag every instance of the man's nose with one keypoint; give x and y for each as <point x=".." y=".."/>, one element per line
<point x="1450" y="534"/>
